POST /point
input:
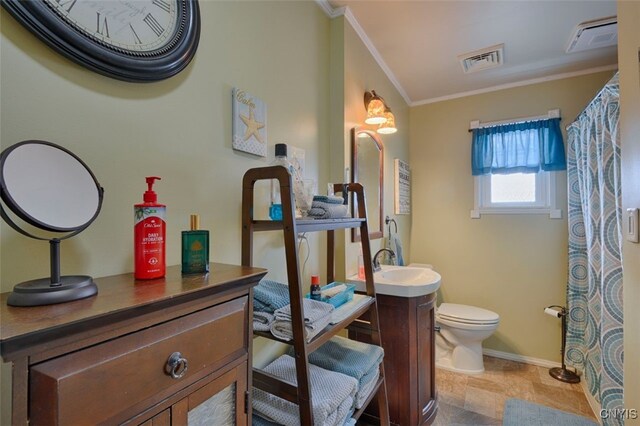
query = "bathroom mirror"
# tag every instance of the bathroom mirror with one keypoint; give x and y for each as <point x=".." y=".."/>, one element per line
<point x="367" y="167"/>
<point x="49" y="188"/>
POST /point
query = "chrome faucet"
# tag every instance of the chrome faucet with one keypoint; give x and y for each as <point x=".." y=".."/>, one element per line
<point x="376" y="262"/>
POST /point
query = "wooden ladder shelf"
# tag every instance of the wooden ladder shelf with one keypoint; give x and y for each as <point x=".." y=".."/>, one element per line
<point x="301" y="394"/>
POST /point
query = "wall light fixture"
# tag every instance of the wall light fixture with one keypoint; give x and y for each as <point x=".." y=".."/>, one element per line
<point x="378" y="112"/>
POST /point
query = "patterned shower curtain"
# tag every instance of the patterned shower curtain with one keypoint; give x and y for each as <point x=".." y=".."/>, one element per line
<point x="594" y="291"/>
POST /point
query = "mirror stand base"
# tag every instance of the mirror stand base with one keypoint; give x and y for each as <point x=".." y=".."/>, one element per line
<point x="42" y="292"/>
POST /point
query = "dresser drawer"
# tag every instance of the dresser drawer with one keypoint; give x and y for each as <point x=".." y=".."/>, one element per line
<point x="94" y="385"/>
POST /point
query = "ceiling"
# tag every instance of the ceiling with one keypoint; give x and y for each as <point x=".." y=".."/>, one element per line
<point x="417" y="43"/>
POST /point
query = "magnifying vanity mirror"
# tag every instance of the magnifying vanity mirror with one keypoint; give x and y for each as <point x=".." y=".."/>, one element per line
<point x="49" y="188"/>
<point x="367" y="167"/>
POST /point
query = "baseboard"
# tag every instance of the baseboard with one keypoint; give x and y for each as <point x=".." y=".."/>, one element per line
<point x="521" y="358"/>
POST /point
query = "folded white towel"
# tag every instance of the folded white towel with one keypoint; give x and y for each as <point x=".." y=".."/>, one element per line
<point x="332" y="395"/>
<point x="262" y="321"/>
<point x="283" y="329"/>
<point x="317" y="316"/>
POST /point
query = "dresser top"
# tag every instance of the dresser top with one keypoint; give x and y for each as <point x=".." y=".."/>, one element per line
<point x="121" y="295"/>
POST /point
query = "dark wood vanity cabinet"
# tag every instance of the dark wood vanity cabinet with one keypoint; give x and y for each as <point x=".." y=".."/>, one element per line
<point x="408" y="340"/>
<point x="106" y="359"/>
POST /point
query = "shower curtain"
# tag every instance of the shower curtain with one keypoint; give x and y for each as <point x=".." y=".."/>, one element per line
<point x="594" y="291"/>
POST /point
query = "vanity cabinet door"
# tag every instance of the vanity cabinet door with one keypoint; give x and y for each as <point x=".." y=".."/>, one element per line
<point x="426" y="360"/>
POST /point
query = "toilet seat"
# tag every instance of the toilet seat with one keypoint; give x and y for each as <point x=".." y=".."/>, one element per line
<point x="468" y="315"/>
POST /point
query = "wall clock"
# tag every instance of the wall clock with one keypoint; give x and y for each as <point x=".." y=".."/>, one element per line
<point x="131" y="40"/>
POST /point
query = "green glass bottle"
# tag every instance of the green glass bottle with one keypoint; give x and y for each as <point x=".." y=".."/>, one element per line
<point x="195" y="248"/>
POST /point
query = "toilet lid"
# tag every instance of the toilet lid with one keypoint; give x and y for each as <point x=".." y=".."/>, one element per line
<point x="467" y="314"/>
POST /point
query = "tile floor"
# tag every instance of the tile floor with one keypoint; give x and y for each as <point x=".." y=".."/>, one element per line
<point x="479" y="400"/>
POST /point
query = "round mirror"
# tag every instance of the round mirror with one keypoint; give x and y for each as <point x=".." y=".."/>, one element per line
<point x="50" y="188"/>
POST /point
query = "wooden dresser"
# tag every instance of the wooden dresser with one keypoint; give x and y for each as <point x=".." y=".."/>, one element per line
<point x="140" y="352"/>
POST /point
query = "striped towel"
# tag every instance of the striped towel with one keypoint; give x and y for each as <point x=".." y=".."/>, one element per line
<point x="328" y="199"/>
<point x="332" y="396"/>
<point x="270" y="295"/>
<point x="317" y="316"/>
<point x="328" y="211"/>
<point x="356" y="359"/>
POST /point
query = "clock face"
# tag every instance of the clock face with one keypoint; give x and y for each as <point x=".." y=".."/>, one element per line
<point x="131" y="40"/>
<point x="133" y="25"/>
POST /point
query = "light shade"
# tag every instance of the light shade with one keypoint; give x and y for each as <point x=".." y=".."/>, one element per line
<point x="389" y="125"/>
<point x="375" y="108"/>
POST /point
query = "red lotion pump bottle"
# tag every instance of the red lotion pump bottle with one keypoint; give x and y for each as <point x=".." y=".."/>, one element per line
<point x="149" y="235"/>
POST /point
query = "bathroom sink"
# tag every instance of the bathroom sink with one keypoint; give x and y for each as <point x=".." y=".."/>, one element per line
<point x="402" y="281"/>
<point x="404" y="275"/>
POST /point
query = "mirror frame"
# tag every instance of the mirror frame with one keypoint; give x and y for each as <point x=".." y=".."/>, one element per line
<point x="19" y="211"/>
<point x="373" y="233"/>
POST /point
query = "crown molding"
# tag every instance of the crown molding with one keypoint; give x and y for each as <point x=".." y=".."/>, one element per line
<point x="346" y="12"/>
<point x="515" y="84"/>
<point x="328" y="10"/>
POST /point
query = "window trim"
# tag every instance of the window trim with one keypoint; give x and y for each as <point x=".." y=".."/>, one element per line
<point x="545" y="198"/>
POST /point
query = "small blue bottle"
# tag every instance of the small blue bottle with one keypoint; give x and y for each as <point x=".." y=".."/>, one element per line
<point x="275" y="208"/>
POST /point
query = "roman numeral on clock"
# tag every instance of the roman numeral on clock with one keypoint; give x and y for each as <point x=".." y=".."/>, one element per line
<point x="67" y="5"/>
<point x="135" y="35"/>
<point x="151" y="21"/>
<point x="163" y="4"/>
<point x="104" y="29"/>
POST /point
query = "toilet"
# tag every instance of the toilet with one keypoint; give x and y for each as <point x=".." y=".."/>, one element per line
<point x="459" y="341"/>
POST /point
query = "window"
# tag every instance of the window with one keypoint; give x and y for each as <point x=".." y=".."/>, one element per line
<point x="518" y="193"/>
<point x="514" y="165"/>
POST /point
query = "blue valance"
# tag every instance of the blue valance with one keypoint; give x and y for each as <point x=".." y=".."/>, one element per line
<point x="527" y="147"/>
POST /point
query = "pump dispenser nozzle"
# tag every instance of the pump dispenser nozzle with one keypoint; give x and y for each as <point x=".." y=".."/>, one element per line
<point x="150" y="196"/>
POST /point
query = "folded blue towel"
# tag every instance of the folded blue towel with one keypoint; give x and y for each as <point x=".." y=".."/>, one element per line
<point x="369" y="383"/>
<point x="356" y="359"/>
<point x="270" y="295"/>
<point x="256" y="420"/>
<point x="332" y="395"/>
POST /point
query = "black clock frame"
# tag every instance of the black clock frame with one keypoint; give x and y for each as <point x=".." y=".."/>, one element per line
<point x="92" y="53"/>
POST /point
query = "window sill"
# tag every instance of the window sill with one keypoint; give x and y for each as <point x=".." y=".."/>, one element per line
<point x="553" y="213"/>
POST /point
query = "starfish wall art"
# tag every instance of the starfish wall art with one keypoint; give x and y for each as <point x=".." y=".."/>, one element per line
<point x="249" y="123"/>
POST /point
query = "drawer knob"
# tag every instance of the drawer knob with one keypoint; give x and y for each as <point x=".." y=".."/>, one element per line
<point x="176" y="365"/>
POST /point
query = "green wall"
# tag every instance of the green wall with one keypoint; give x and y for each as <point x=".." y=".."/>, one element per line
<point x="514" y="265"/>
<point x="179" y="129"/>
<point x="290" y="54"/>
<point x="362" y="73"/>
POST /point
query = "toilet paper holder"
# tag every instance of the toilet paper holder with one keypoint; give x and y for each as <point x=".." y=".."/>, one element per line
<point x="561" y="373"/>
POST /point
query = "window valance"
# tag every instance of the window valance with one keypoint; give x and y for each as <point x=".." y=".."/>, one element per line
<point x="526" y="147"/>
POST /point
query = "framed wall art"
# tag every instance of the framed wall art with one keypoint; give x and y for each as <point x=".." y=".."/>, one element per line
<point x="249" y="123"/>
<point x="402" y="184"/>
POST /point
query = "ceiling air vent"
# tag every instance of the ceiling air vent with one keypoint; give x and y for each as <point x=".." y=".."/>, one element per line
<point x="594" y="34"/>
<point x="482" y="59"/>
